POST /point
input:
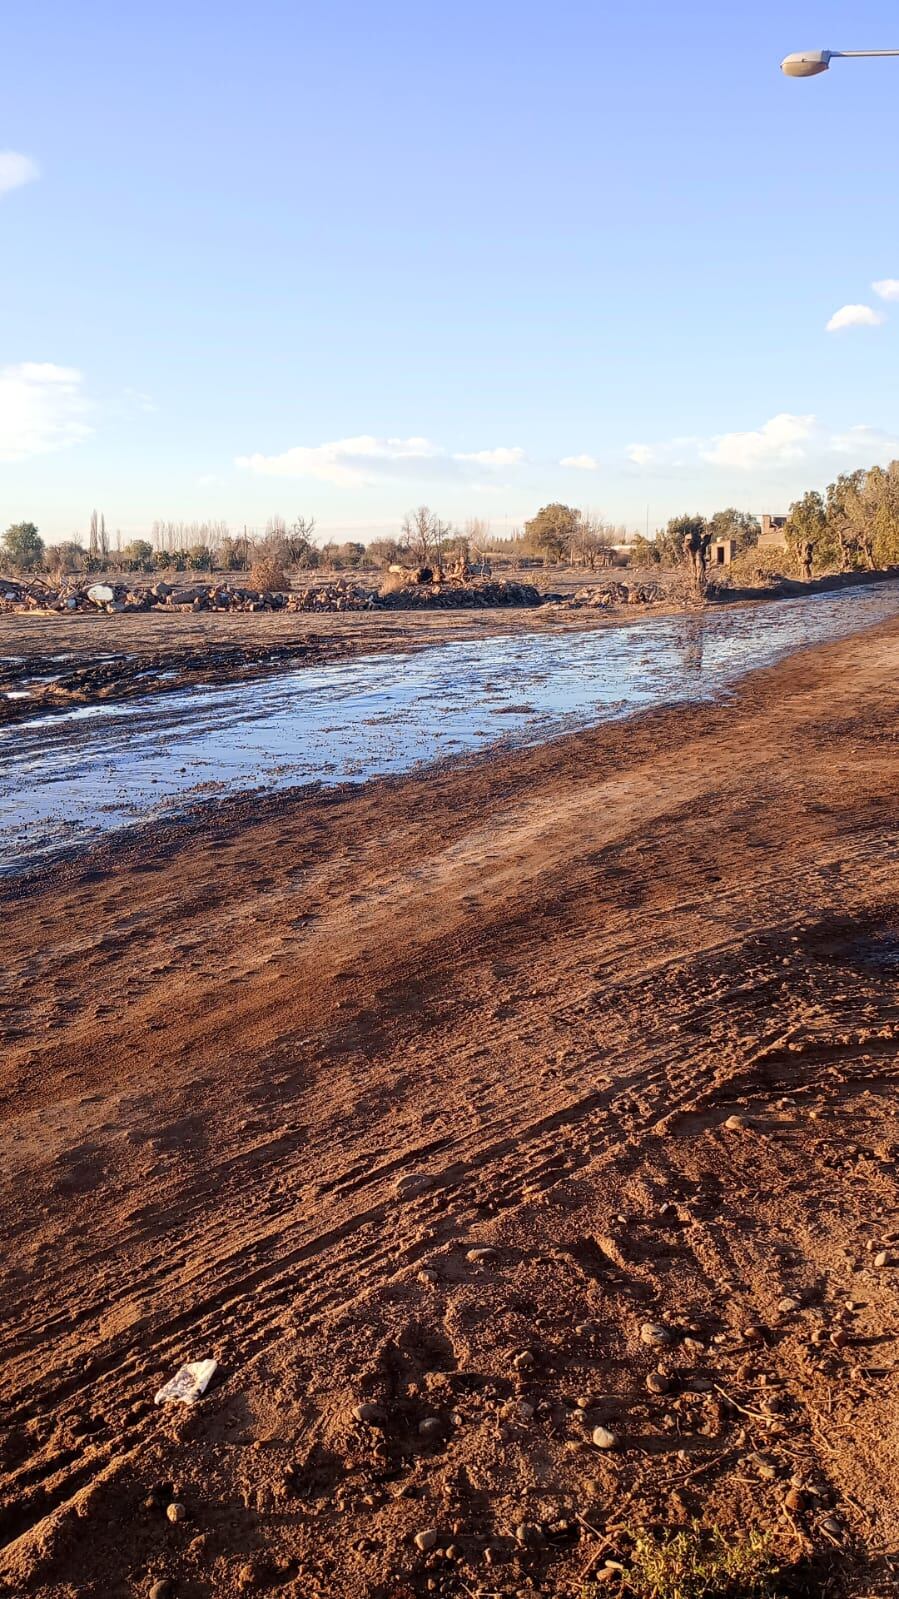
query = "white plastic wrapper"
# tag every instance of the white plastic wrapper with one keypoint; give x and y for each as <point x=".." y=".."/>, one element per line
<point x="188" y="1384"/>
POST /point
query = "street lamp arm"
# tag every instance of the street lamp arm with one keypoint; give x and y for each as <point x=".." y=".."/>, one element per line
<point x="848" y="53"/>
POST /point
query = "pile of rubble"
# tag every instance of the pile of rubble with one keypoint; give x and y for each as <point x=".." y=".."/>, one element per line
<point x="457" y="595"/>
<point x="73" y="595"/>
<point x="343" y="594"/>
<point x="606" y="595"/>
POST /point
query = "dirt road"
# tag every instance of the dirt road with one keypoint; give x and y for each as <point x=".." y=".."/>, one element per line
<point x="269" y="1091"/>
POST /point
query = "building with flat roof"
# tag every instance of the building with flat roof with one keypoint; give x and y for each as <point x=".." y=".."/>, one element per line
<point x="773" y="535"/>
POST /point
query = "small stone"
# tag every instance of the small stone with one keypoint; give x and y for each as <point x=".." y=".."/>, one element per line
<point x="831" y="1525"/>
<point x="753" y="1333"/>
<point x="413" y="1183"/>
<point x="736" y="1124"/>
<point x="881" y="1259"/>
<point x="788" y="1305"/>
<point x="794" y="1499"/>
<point x="427" y="1274"/>
<point x="652" y="1332"/>
<point x="176" y="1511"/>
<point x="604" y="1439"/>
<point x="368" y="1413"/>
<point x="431" y="1427"/>
<point x="658" y="1383"/>
<point x="454" y="1552"/>
<point x="524" y="1361"/>
<point x="163" y="1589"/>
<point x="529" y="1535"/>
<point x="481" y="1257"/>
<point x="426" y="1540"/>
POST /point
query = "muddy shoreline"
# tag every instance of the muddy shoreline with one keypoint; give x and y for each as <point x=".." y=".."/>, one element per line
<point x="619" y="1010"/>
<point x="50" y="663"/>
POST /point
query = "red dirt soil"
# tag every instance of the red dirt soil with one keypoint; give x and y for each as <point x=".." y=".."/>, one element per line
<point x="267" y="1084"/>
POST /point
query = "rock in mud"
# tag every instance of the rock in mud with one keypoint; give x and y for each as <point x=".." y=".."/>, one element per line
<point x="529" y="1535"/>
<point x="426" y="1540"/>
<point x="372" y="1415"/>
<point x="431" y="1428"/>
<point x="654" y="1334"/>
<point x="163" y="1589"/>
<point x="176" y="1511"/>
<point x="413" y="1183"/>
<point x="604" y="1439"/>
<point x="658" y="1383"/>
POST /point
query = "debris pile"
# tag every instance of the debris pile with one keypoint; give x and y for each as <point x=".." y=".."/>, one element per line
<point x="342" y="594"/>
<point x="606" y="595"/>
<point x="457" y="594"/>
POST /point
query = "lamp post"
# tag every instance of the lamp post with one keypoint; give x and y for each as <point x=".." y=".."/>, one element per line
<point x="808" y="63"/>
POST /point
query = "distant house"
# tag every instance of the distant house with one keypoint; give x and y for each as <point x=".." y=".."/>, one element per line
<point x="773" y="535"/>
<point x="722" y="552"/>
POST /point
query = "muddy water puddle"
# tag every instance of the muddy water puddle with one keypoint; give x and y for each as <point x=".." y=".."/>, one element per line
<point x="66" y="779"/>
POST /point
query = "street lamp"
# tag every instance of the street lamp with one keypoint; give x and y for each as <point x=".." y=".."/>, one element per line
<point x="808" y="63"/>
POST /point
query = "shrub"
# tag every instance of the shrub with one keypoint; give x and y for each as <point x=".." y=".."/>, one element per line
<point x="700" y="1563"/>
<point x="269" y="574"/>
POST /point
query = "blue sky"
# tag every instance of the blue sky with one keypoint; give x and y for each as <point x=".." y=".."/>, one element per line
<point x="338" y="259"/>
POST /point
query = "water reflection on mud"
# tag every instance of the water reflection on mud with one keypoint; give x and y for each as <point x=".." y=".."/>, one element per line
<point x="67" y="778"/>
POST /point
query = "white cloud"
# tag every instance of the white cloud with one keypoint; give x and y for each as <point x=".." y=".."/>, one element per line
<point x="16" y="170"/>
<point x="366" y="459"/>
<point x="498" y="457"/>
<point x="42" y="408"/>
<point x="854" y="316"/>
<point x="781" y="439"/>
<point x="887" y="288"/>
<point x="581" y="463"/>
<point x="777" y="445"/>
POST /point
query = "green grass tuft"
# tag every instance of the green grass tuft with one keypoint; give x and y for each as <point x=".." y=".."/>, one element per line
<point x="698" y="1564"/>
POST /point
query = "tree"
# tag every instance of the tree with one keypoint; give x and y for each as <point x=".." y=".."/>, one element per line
<point x="423" y="536"/>
<point x="805" y="528"/>
<point x="138" y="556"/>
<point x="104" y="540"/>
<point x="847" y="524"/>
<point x="553" y="531"/>
<point x="593" y="542"/>
<point x="300" y="548"/>
<point x="734" y="524"/>
<point x="384" y="552"/>
<point x="68" y="556"/>
<point x="93" y="543"/>
<point x="24" y="546"/>
<point x="670" y="543"/>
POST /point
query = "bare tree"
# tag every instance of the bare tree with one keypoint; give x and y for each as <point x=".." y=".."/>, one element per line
<point x="423" y="535"/>
<point x="93" y="543"/>
<point x="593" y="541"/>
<point x="104" y="539"/>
